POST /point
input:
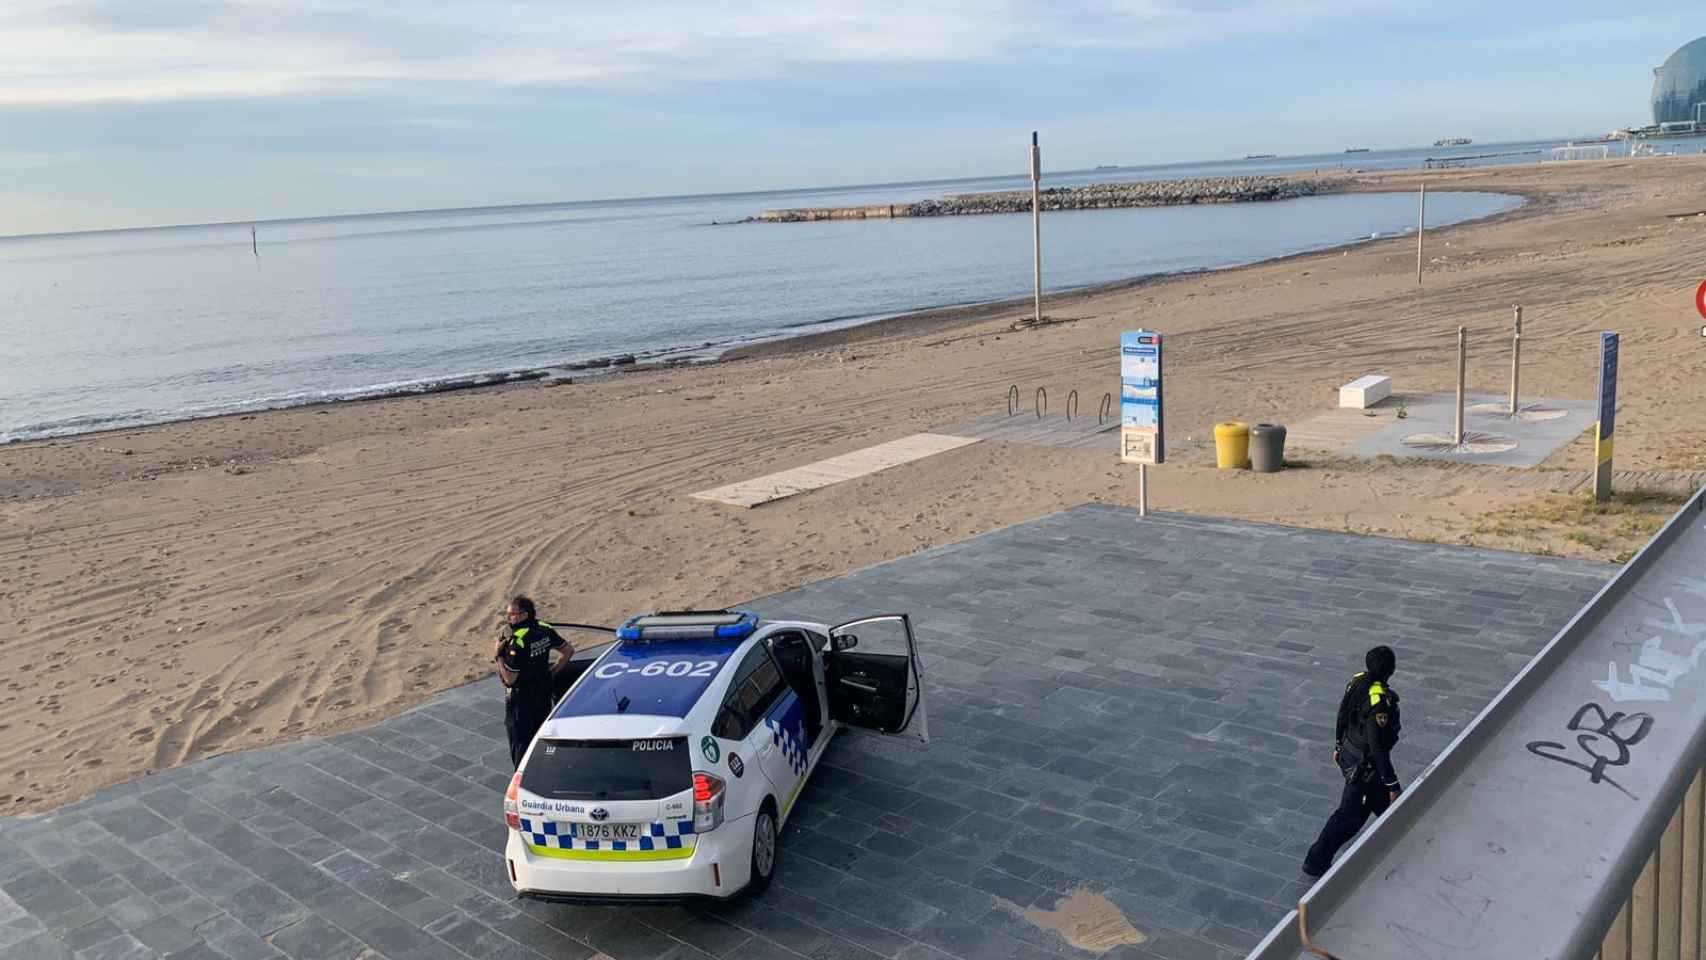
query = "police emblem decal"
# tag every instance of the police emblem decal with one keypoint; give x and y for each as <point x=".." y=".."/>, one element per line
<point x="736" y="767"/>
<point x="709" y="748"/>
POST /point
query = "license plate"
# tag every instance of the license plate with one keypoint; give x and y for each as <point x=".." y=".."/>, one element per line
<point x="608" y="831"/>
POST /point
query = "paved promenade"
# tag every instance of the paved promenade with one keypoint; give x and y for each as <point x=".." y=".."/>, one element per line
<point x="1139" y="708"/>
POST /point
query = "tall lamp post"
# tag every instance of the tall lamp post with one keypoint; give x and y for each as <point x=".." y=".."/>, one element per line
<point x="1037" y="223"/>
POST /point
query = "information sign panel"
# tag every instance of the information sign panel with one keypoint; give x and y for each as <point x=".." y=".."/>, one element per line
<point x="1141" y="421"/>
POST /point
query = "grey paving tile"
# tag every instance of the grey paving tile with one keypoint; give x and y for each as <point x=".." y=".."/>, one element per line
<point x="122" y="947"/>
<point x="713" y="936"/>
<point x="166" y="935"/>
<point x="477" y="940"/>
<point x="312" y="938"/>
<point x="90" y="934"/>
<point x="134" y="911"/>
<point x="136" y="823"/>
<point x="543" y="939"/>
<point x="39" y="946"/>
<point x="262" y="907"/>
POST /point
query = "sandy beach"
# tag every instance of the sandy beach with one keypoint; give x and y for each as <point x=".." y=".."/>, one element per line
<point x="175" y="592"/>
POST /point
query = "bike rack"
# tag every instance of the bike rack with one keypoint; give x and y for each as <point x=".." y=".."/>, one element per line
<point x="1071" y="405"/>
<point x="1106" y="409"/>
<point x="1039" y="402"/>
<point x="1012" y="399"/>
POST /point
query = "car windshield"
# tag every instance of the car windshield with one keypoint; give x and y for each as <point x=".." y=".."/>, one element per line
<point x="608" y="769"/>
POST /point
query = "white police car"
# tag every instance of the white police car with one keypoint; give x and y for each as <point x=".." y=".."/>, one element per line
<point x="670" y="766"/>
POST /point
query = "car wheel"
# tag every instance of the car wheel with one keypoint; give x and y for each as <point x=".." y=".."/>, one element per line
<point x="763" y="849"/>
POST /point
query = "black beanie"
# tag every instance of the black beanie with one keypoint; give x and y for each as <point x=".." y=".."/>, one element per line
<point x="1381" y="661"/>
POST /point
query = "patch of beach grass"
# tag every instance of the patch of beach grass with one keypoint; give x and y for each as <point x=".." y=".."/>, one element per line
<point x="1574" y="525"/>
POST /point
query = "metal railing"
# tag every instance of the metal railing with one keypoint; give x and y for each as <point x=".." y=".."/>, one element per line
<point x="1661" y="919"/>
<point x="1565" y="821"/>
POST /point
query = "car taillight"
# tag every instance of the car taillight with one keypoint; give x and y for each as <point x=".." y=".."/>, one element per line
<point x="512" y="803"/>
<point x="707" y="802"/>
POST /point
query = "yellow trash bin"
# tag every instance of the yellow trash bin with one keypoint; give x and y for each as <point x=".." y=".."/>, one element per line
<point x="1232" y="445"/>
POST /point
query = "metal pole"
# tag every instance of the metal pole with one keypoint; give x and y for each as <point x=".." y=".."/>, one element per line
<point x="1037" y="221"/>
<point x="1143" y="489"/>
<point x="1421" y="227"/>
<point x="1681" y="865"/>
<point x="1462" y="369"/>
<point x="1516" y="358"/>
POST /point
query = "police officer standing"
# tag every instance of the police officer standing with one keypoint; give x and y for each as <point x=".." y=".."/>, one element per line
<point x="523" y="657"/>
<point x="1363" y="737"/>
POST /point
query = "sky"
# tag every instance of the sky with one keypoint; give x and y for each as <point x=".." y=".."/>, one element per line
<point x="118" y="113"/>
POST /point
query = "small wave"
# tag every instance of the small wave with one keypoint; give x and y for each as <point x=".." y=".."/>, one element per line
<point x="841" y="318"/>
<point x="71" y="426"/>
<point x="89" y="423"/>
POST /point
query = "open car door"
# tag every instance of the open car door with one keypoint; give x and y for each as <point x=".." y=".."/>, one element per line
<point x="871" y="672"/>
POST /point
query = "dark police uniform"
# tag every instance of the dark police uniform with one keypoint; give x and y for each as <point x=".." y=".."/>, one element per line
<point x="527" y="702"/>
<point x="1366" y="730"/>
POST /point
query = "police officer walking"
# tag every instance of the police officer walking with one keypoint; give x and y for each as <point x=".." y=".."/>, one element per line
<point x="1363" y="737"/>
<point x="523" y="657"/>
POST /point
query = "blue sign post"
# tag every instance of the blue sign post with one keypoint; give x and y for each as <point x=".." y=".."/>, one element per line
<point x="1607" y="417"/>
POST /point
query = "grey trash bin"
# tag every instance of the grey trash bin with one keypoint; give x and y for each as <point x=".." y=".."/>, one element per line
<point x="1267" y="447"/>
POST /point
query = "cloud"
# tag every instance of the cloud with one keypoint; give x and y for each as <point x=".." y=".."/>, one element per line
<point x="1659" y="33"/>
<point x="76" y="51"/>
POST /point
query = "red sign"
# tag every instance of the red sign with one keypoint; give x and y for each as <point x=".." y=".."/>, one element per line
<point x="1700" y="299"/>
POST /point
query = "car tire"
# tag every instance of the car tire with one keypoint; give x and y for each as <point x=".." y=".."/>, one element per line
<point x="765" y="842"/>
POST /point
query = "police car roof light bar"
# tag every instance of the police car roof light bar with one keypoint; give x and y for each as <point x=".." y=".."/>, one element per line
<point x="689" y="625"/>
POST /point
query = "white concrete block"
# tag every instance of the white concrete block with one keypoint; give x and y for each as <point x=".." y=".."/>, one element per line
<point x="1365" y="392"/>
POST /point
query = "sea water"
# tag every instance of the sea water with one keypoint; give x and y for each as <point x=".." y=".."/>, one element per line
<point x="110" y="329"/>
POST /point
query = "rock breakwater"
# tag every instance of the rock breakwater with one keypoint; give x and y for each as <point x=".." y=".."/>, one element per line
<point x="1096" y="196"/>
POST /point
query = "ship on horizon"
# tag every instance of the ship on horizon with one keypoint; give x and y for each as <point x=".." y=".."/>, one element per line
<point x="1356" y="149"/>
<point x="1453" y="142"/>
<point x="1260" y="156"/>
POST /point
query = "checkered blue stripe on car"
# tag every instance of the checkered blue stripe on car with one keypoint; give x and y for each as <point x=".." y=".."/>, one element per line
<point x="657" y="835"/>
<point x="787" y="723"/>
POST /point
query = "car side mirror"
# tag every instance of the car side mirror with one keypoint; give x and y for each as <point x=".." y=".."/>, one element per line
<point x="841" y="642"/>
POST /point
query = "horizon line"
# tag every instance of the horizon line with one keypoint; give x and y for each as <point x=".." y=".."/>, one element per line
<point x="545" y="204"/>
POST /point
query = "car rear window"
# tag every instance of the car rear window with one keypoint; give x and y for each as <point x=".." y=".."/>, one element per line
<point x="608" y="769"/>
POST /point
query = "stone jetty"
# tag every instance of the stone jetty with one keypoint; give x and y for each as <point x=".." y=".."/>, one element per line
<point x="1096" y="196"/>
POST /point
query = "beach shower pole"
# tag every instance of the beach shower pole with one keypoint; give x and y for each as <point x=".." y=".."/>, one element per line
<point x="1143" y="489"/>
<point x="1037" y="221"/>
<point x="1421" y="227"/>
<point x="1516" y="357"/>
<point x="1462" y="369"/>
